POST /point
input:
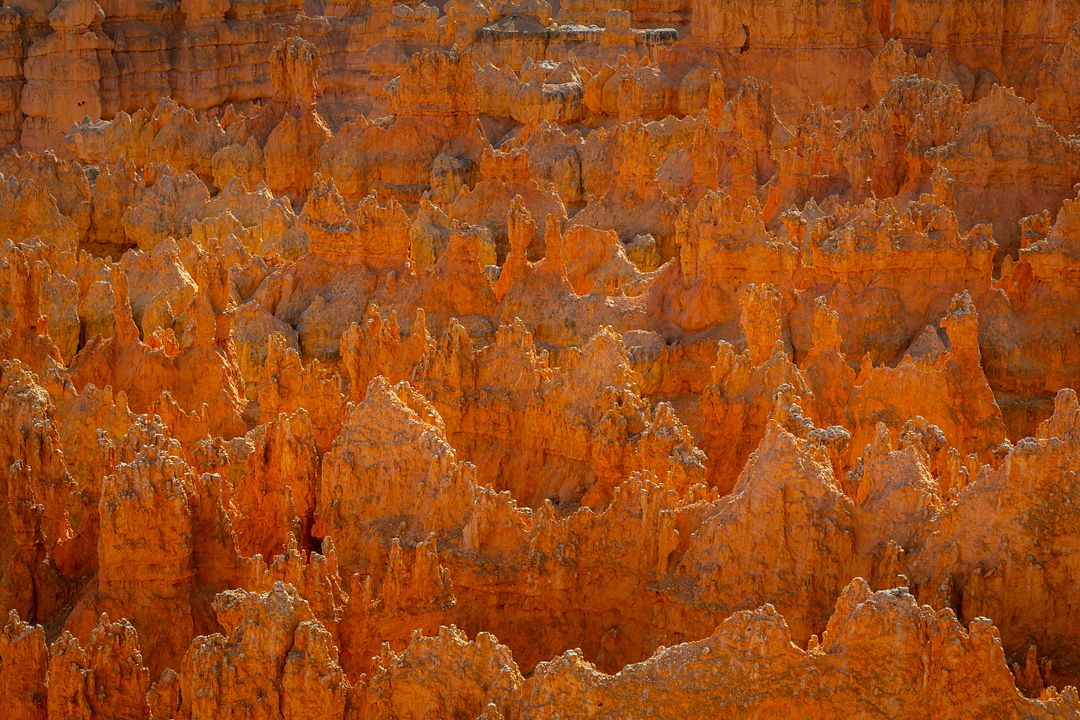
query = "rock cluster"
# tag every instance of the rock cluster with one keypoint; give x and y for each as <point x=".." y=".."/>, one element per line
<point x="509" y="359"/>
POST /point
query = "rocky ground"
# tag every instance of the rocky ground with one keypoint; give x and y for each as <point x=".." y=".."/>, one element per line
<point x="604" y="359"/>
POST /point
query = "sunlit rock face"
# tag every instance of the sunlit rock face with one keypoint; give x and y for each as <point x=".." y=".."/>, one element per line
<point x="514" y="359"/>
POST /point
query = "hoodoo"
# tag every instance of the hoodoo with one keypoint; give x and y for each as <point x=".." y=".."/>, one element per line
<point x="534" y="359"/>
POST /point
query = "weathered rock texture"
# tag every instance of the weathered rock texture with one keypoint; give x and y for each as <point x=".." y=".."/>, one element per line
<point x="515" y="359"/>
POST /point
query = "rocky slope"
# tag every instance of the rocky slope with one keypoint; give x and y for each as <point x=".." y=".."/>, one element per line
<point x="501" y="359"/>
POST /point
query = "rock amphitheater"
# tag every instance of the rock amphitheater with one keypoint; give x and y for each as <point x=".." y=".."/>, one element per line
<point x="516" y="359"/>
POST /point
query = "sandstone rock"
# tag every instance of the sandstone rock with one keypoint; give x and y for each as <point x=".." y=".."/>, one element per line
<point x="286" y="668"/>
<point x="685" y="347"/>
<point x="145" y="507"/>
<point x="24" y="661"/>
<point x="106" y="679"/>
<point x="783" y="671"/>
<point x="402" y="683"/>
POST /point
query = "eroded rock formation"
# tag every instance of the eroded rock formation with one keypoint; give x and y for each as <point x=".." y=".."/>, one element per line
<point x="515" y="359"/>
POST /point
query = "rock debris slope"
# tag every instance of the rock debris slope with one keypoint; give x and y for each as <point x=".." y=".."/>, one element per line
<point x="506" y="359"/>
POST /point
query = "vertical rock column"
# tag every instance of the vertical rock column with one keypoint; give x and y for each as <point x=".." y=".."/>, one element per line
<point x="145" y="548"/>
<point x="70" y="74"/>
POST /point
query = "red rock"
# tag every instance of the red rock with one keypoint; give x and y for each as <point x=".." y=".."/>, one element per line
<point x="681" y="346"/>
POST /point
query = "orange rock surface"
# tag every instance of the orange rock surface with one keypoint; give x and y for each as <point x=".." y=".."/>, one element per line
<point x="516" y="359"/>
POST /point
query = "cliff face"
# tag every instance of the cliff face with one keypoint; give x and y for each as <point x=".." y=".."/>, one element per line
<point x="506" y="359"/>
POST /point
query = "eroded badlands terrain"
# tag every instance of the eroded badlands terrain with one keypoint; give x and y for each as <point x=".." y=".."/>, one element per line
<point x="496" y="359"/>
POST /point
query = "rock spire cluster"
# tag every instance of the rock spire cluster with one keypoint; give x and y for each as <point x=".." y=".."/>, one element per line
<point x="526" y="359"/>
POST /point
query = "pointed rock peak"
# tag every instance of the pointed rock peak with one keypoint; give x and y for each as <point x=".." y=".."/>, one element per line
<point x="520" y="226"/>
<point x="763" y="631"/>
<point x="783" y="460"/>
<point x="760" y="319"/>
<point x="126" y="330"/>
<point x="717" y="98"/>
<point x="553" y="261"/>
<point x="390" y="415"/>
<point x="825" y="335"/>
<point x="324" y="203"/>
<point x="457" y="336"/>
<point x="666" y="418"/>
<point x="375" y="320"/>
<point x="571" y="664"/>
<point x="294" y="69"/>
<point x="150" y="437"/>
<point x="604" y="360"/>
<point x="896" y="482"/>
<point x="725" y="359"/>
<point x="119" y="633"/>
<point x="381" y="394"/>
<point x="928" y="345"/>
<point x="788" y="412"/>
<point x="855" y="593"/>
<point x="881" y="444"/>
<point x="719" y="223"/>
<point x="923" y="435"/>
<point x="715" y="208"/>
<point x="370" y="206"/>
<point x="1066" y="228"/>
<point x="280" y="607"/>
<point x="19" y="381"/>
<point x="280" y="354"/>
<point x="635" y="163"/>
<point x="866" y="369"/>
<point x="515" y="335"/>
<point x="1065" y="422"/>
<point x="1003" y="103"/>
<point x="961" y="323"/>
<point x="941" y="189"/>
<point x="780" y="357"/>
<point x="16" y="630"/>
<point x="420" y="405"/>
<point x="732" y="371"/>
